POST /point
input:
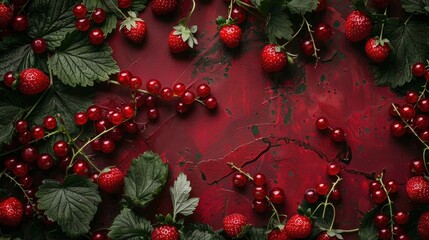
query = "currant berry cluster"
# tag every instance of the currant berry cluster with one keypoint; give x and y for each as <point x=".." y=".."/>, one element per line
<point x="154" y="91"/>
<point x="262" y="199"/>
<point x="83" y="22"/>
<point x="336" y="134"/>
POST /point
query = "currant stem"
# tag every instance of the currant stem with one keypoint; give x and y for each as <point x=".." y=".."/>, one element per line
<point x="35" y="105"/>
<point x="245" y="5"/>
<point x="23" y="6"/>
<point x="230" y="9"/>
<point x="296" y="33"/>
<point x="422" y="93"/>
<point x="389" y="201"/>
<point x="240" y="171"/>
<point x="424" y="160"/>
<point x="382" y="25"/>
<point x="190" y="13"/>
<point x="408" y="126"/>
<point x="339" y="179"/>
<point x="276" y="213"/>
<point x="312" y="40"/>
<point x="333" y="215"/>
<point x="119" y="10"/>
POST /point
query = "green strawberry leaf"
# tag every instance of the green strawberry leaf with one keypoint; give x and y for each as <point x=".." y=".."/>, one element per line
<point x="179" y="193"/>
<point x="416" y="6"/>
<point x="265" y="7"/>
<point x="145" y="179"/>
<point x="302" y="6"/>
<point x="201" y="235"/>
<point x="8" y="116"/>
<point x="409" y="46"/>
<point x="110" y="24"/>
<point x="72" y="204"/>
<point x="77" y="62"/>
<point x="279" y="27"/>
<point x="128" y="226"/>
<point x="257" y="233"/>
<point x="138" y="5"/>
<point x="65" y="101"/>
<point x="367" y="228"/>
<point x="52" y="20"/>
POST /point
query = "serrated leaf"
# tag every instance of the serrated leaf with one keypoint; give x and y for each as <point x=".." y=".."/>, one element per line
<point x="410" y="46"/>
<point x="110" y="24"/>
<point x="145" y="179"/>
<point x="72" y="204"/>
<point x="416" y="6"/>
<point x="63" y="100"/>
<point x="128" y="226"/>
<point x="8" y="116"/>
<point x="138" y="5"/>
<point x="367" y="228"/>
<point x="78" y="62"/>
<point x="198" y="235"/>
<point x="302" y="6"/>
<point x="16" y="54"/>
<point x="52" y="20"/>
<point x="279" y="27"/>
<point x="257" y="234"/>
<point x="179" y="193"/>
<point x="264" y="6"/>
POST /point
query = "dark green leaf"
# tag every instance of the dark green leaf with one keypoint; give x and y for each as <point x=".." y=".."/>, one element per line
<point x="138" y="5"/>
<point x="302" y="6"/>
<point x="367" y="229"/>
<point x="257" y="234"/>
<point x="129" y="226"/>
<point x="52" y="20"/>
<point x="409" y="47"/>
<point x="16" y="54"/>
<point x="145" y="179"/>
<point x="279" y="27"/>
<point x="72" y="204"/>
<point x="63" y="100"/>
<point x="8" y="116"/>
<point x="78" y="62"/>
<point x="198" y="235"/>
<point x="416" y="6"/>
<point x="110" y="24"/>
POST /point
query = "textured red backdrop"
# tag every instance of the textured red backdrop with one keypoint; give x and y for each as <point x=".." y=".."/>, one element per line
<point x="256" y="108"/>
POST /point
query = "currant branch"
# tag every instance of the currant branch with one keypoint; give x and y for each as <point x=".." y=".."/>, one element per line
<point x="310" y="31"/>
<point x="389" y="202"/>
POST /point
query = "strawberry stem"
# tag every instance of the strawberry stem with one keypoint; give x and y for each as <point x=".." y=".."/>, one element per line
<point x="312" y="40"/>
<point x="389" y="202"/>
<point x="382" y="25"/>
<point x="190" y="13"/>
<point x="230" y="10"/>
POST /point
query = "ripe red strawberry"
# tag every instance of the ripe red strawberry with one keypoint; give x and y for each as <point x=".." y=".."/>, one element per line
<point x="182" y="38"/>
<point x="418" y="189"/>
<point x="163" y="7"/>
<point x="111" y="180"/>
<point x="273" y="59"/>
<point x="277" y="234"/>
<point x="325" y="236"/>
<point x="298" y="226"/>
<point x="32" y="81"/>
<point x="11" y="210"/>
<point x="358" y="26"/>
<point x="423" y="226"/>
<point x="230" y="34"/>
<point x="134" y="28"/>
<point x="234" y="224"/>
<point x="377" y="49"/>
<point x="6" y="15"/>
<point x="165" y="232"/>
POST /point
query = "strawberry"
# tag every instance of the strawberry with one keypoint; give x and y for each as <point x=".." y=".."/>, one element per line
<point x="32" y="81"/>
<point x="234" y="224"/>
<point x="11" y="210"/>
<point x="165" y="232"/>
<point x="418" y="189"/>
<point x="230" y="35"/>
<point x="6" y="15"/>
<point x="377" y="49"/>
<point x="182" y="37"/>
<point x="298" y="226"/>
<point x="358" y="26"/>
<point x="111" y="180"/>
<point x="133" y="28"/>
<point x="273" y="59"/>
<point x="325" y="236"/>
<point x="163" y="7"/>
<point x="423" y="226"/>
<point x="277" y="234"/>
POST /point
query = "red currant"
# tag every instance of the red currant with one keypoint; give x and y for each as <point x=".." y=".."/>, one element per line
<point x="107" y="145"/>
<point x="9" y="79"/>
<point x="307" y="48"/>
<point x="188" y="97"/>
<point x="407" y="112"/>
<point x="153" y="113"/>
<point x="259" y="179"/>
<point x="28" y="210"/>
<point x="115" y="118"/>
<point x="50" y="123"/>
<point x="322" y="123"/>
<point x="150" y="101"/>
<point x="336" y="194"/>
<point x="64" y="162"/>
<point x="321" y="6"/>
<point x="418" y="69"/>
<point x="135" y="82"/>
<point x="115" y="134"/>
<point x="37" y="132"/>
<point x="338" y="135"/>
<point x="29" y="154"/>
<point x="277" y="195"/>
<point x="181" y="107"/>
<point x="239" y="180"/>
<point x="398" y="230"/>
<point x="153" y="86"/>
<point x="20" y="169"/>
<point x="417" y="167"/>
<point x="427" y="75"/>
<point x="101" y="126"/>
<point x="10" y="162"/>
<point x="130" y="127"/>
<point x="94" y="177"/>
<point x="124" y="77"/>
<point x="24" y="137"/>
<point x="322" y="189"/>
<point x="411" y="97"/>
<point x="260" y="206"/>
<point x="31" y="193"/>
<point x="127" y="111"/>
<point x="424" y="136"/>
<point x="385" y="234"/>
<point x="378" y="196"/>
<point x="26" y="181"/>
<point x="333" y="169"/>
<point x="323" y="32"/>
<point x="21" y="126"/>
<point x="96" y="144"/>
<point x="45" y="161"/>
<point x="381" y="220"/>
<point x="99" y="236"/>
<point x="258" y="192"/>
<point x="79" y="10"/>
<point x="210" y="103"/>
<point x="203" y="90"/>
<point x="20" y="23"/>
<point x="397" y="129"/>
<point x="99" y="15"/>
<point x="179" y="89"/>
<point x="374" y="186"/>
<point x="311" y="196"/>
<point x="39" y="45"/>
<point x="139" y="99"/>
<point x="80" y="118"/>
<point x="392" y="107"/>
<point x="96" y="36"/>
<point x="124" y="3"/>
<point x="81" y="168"/>
<point x="61" y="148"/>
<point x="401" y="217"/>
<point x="94" y="113"/>
<point x="166" y="93"/>
<point x="421" y="121"/>
<point x="82" y="24"/>
<point x="392" y="186"/>
<point x="238" y="14"/>
<point x="423" y="104"/>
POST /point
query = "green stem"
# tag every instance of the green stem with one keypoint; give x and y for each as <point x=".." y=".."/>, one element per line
<point x="422" y="93"/>
<point x="408" y="126"/>
<point x="138" y="90"/>
<point x="23" y="6"/>
<point x="119" y="10"/>
<point x="240" y="171"/>
<point x="333" y="216"/>
<point x="245" y="5"/>
<point x="408" y="19"/>
<point x="276" y="213"/>
<point x="389" y="202"/>
<point x="230" y="9"/>
<point x="30" y="200"/>
<point x="35" y="105"/>
<point x="382" y="25"/>
<point x="312" y="40"/>
<point x="424" y="161"/>
<point x="339" y="179"/>
<point x="296" y="33"/>
<point x="348" y="230"/>
<point x="190" y="13"/>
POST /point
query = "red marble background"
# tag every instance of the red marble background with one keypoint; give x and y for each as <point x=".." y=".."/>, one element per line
<point x="254" y="108"/>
